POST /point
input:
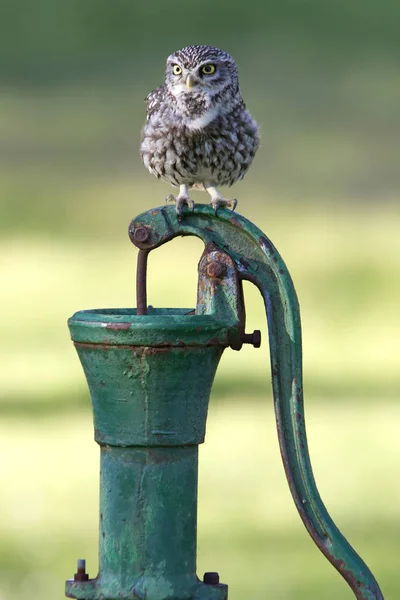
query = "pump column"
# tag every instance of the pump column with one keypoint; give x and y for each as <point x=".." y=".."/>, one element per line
<point x="150" y="407"/>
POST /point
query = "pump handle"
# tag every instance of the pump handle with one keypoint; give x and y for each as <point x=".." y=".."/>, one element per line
<point x="258" y="261"/>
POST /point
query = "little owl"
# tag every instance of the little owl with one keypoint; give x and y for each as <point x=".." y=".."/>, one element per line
<point x="198" y="133"/>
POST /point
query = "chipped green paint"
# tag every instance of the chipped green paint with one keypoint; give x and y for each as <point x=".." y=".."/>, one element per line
<point x="150" y="378"/>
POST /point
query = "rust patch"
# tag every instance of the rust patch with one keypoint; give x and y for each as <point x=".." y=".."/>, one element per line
<point x="349" y="576"/>
<point x="235" y="221"/>
<point x="94" y="346"/>
<point x="117" y="326"/>
<point x="161" y="347"/>
<point x="216" y="269"/>
<point x="151" y="351"/>
<point x="214" y="342"/>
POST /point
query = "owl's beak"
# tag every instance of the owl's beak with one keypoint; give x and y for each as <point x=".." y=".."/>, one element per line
<point x="190" y="82"/>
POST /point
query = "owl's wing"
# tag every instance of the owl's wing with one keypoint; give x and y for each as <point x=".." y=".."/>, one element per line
<point x="154" y="100"/>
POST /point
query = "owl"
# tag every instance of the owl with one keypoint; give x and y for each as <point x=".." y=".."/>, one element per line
<point x="198" y="133"/>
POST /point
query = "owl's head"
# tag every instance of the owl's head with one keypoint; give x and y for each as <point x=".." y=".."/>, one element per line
<point x="201" y="69"/>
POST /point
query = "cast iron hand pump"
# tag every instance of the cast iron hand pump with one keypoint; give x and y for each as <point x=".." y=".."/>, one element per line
<point x="150" y="374"/>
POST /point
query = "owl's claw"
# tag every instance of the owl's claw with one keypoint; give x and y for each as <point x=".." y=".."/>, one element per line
<point x="180" y="202"/>
<point x="217" y="202"/>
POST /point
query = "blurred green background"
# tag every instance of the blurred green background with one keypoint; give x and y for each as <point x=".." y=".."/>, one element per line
<point x="323" y="80"/>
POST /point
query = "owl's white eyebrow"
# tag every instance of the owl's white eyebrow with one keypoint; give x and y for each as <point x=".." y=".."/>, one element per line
<point x="207" y="62"/>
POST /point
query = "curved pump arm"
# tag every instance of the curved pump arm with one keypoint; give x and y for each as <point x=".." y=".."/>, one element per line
<point x="258" y="261"/>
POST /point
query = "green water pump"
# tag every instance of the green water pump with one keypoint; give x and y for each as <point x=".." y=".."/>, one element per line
<point x="150" y="373"/>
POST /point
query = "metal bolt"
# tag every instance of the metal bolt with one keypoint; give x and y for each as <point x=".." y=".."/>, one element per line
<point x="216" y="269"/>
<point x="81" y="574"/>
<point x="252" y="338"/>
<point x="141" y="234"/>
<point x="211" y="578"/>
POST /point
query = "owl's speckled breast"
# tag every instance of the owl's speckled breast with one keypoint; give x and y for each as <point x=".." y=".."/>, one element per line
<point x="220" y="153"/>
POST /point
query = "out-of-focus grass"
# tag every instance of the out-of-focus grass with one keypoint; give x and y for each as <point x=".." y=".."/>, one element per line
<point x="322" y="80"/>
<point x="248" y="527"/>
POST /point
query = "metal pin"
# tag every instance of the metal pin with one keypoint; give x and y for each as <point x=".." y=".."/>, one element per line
<point x="211" y="578"/>
<point x="252" y="338"/>
<point x="81" y="574"/>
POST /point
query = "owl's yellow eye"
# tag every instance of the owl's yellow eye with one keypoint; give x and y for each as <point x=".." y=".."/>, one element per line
<point x="177" y="70"/>
<point x="208" y="69"/>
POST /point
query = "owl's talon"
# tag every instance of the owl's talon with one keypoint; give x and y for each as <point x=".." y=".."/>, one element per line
<point x="181" y="199"/>
<point x="234" y="204"/>
<point x="180" y="202"/>
<point x="222" y="202"/>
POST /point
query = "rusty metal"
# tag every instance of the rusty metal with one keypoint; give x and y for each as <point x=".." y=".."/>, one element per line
<point x="81" y="574"/>
<point x="141" y="279"/>
<point x="216" y="269"/>
<point x="141" y="234"/>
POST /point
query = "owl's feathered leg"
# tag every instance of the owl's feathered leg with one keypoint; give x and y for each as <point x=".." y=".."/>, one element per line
<point x="217" y="200"/>
<point x="181" y="199"/>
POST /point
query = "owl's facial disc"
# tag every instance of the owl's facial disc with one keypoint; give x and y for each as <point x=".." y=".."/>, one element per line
<point x="208" y="77"/>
